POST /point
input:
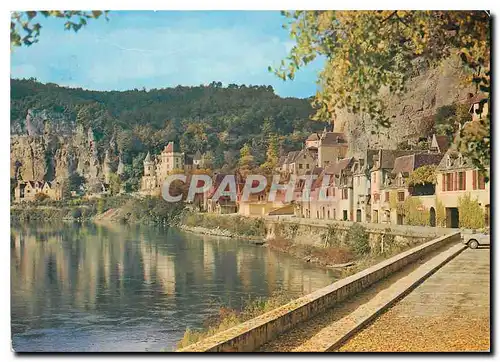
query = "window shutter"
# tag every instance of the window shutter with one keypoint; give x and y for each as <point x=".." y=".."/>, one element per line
<point x="474" y="179"/>
<point x="444" y="182"/>
<point x="455" y="179"/>
<point x="465" y="180"/>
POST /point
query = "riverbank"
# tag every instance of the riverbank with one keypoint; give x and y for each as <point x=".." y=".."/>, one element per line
<point x="123" y="209"/>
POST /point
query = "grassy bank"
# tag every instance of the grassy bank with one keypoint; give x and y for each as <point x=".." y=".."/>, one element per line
<point x="122" y="209"/>
<point x="227" y="318"/>
<point x="236" y="225"/>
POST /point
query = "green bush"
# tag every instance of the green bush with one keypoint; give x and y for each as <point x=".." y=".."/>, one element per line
<point x="470" y="213"/>
<point x="357" y="239"/>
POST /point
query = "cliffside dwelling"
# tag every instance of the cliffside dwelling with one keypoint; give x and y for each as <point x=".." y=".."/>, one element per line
<point x="31" y="190"/>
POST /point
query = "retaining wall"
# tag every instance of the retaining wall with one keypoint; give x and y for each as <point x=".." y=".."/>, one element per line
<point x="250" y="335"/>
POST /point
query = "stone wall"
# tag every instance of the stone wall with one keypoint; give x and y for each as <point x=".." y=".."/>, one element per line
<point x="252" y="334"/>
<point x="381" y="237"/>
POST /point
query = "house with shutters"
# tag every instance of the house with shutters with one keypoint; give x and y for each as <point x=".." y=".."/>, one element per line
<point x="383" y="164"/>
<point x="457" y="177"/>
<point x="396" y="188"/>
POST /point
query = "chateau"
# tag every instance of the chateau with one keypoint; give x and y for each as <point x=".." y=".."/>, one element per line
<point x="155" y="171"/>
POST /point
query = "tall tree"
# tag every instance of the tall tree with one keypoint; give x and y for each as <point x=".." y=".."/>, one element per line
<point x="368" y="50"/>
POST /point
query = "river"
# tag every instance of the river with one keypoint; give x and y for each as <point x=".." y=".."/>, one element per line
<point x="122" y="288"/>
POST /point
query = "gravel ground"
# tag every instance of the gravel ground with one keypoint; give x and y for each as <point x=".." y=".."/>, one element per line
<point x="392" y="333"/>
<point x="450" y="312"/>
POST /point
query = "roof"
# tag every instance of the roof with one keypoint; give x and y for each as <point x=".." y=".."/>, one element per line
<point x="443" y="143"/>
<point x="454" y="157"/>
<point x="387" y="157"/>
<point x="333" y="138"/>
<point x="408" y="163"/>
<point x="313" y="137"/>
<point x="477" y="98"/>
<point x="197" y="156"/>
<point x="291" y="156"/>
<point x="169" y="147"/>
<point x="148" y="158"/>
<point x="337" y="167"/>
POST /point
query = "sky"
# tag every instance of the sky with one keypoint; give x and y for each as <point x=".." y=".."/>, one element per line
<point x="136" y="49"/>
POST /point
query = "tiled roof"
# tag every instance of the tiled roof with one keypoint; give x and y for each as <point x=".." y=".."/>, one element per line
<point x="443" y="143"/>
<point x="408" y="163"/>
<point x="169" y="147"/>
<point x="333" y="138"/>
<point x="387" y="157"/>
<point x="313" y="137"/>
<point x="337" y="167"/>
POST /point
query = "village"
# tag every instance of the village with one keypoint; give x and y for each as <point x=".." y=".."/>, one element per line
<point x="428" y="187"/>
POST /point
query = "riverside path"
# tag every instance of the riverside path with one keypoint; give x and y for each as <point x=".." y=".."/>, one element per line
<point x="448" y="311"/>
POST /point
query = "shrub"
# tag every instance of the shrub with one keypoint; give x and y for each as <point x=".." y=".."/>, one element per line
<point x="40" y="196"/>
<point x="414" y="214"/>
<point x="470" y="213"/>
<point x="357" y="239"/>
<point x="76" y="213"/>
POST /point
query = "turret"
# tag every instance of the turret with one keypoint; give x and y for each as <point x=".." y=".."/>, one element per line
<point x="148" y="166"/>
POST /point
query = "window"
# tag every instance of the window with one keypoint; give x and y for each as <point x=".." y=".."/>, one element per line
<point x="449" y="182"/>
<point x="461" y="181"/>
<point x="327" y="162"/>
<point x="376" y="197"/>
<point x="387" y="196"/>
<point x="477" y="180"/>
<point x="345" y="194"/>
<point x="374" y="177"/>
<point x="401" y="196"/>
<point x="307" y="166"/>
<point x="304" y="157"/>
<point x="300" y="166"/>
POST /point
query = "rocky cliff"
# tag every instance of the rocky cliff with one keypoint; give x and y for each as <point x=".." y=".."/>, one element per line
<point x="49" y="146"/>
<point x="411" y="115"/>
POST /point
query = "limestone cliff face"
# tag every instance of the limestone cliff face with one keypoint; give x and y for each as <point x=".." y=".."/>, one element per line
<point x="410" y="114"/>
<point x="49" y="147"/>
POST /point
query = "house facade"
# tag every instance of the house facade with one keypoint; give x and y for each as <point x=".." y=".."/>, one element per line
<point x="28" y="190"/>
<point x="457" y="177"/>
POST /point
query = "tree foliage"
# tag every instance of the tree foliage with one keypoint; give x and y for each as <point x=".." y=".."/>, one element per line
<point x="367" y="51"/>
<point x="423" y="175"/>
<point x="25" y="25"/>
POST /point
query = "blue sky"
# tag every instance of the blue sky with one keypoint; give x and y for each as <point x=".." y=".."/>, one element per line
<point x="164" y="49"/>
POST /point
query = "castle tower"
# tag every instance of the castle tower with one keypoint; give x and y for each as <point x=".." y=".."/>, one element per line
<point x="149" y="169"/>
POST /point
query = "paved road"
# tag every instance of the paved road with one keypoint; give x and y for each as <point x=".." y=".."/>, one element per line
<point x="450" y="311"/>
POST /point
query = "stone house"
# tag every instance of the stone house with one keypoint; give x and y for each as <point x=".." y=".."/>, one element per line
<point x="457" y="177"/>
<point x="396" y="188"/>
<point x="308" y="203"/>
<point x="332" y="147"/>
<point x="297" y="162"/>
<point x="27" y="190"/>
<point x="361" y="186"/>
<point x="339" y="189"/>
<point x="383" y="164"/>
<point x="221" y="205"/>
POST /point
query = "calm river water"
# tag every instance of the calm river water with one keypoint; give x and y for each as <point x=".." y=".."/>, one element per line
<point x="119" y="288"/>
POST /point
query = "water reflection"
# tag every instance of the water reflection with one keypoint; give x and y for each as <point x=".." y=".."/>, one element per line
<point x="118" y="288"/>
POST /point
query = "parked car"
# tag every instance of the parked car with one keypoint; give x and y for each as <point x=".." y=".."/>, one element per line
<point x="475" y="239"/>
